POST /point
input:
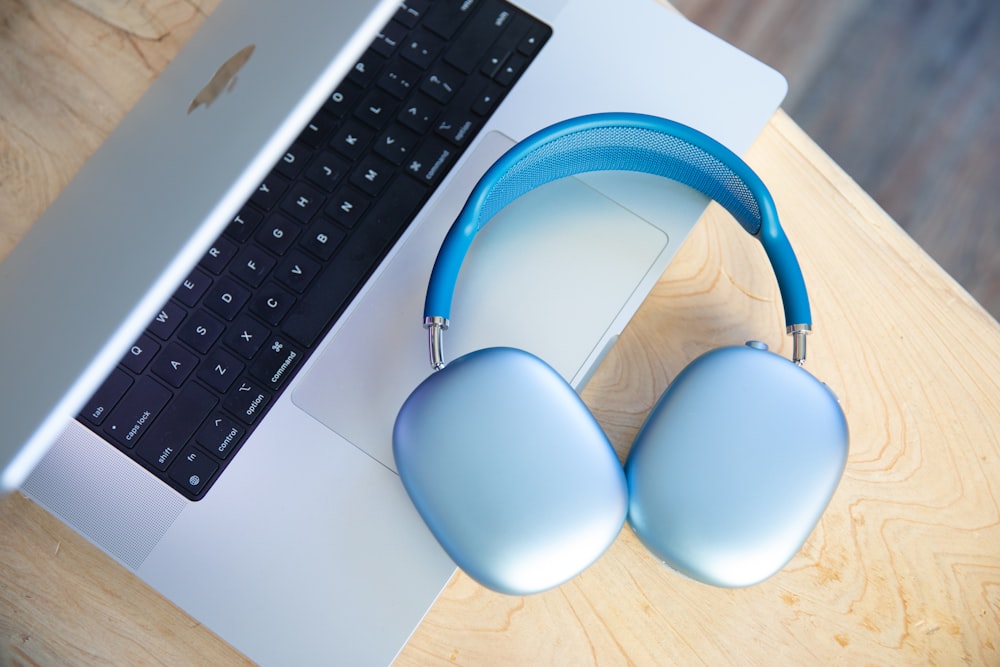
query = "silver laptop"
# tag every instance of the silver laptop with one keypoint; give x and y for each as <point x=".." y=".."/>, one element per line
<point x="258" y="492"/>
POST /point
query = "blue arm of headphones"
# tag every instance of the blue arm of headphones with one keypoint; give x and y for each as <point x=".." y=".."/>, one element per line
<point x="623" y="142"/>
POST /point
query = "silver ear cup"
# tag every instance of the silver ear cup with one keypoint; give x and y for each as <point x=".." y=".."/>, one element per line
<point x="510" y="471"/>
<point x="735" y="465"/>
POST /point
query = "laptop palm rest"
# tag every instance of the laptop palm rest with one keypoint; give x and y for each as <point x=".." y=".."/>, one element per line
<point x="550" y="274"/>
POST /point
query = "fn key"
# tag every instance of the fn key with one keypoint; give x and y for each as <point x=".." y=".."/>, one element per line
<point x="192" y="470"/>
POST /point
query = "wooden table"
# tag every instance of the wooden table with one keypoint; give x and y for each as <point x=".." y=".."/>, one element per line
<point x="903" y="569"/>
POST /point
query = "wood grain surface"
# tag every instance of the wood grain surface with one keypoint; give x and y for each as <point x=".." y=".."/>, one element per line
<point x="905" y="565"/>
<point x="904" y="568"/>
<point x="905" y="95"/>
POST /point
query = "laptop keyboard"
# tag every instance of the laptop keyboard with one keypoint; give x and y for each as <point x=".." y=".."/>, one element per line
<point x="190" y="391"/>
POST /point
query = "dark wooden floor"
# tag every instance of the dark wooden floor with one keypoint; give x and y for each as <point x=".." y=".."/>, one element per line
<point x="905" y="96"/>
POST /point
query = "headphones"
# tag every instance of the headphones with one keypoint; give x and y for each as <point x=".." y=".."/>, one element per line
<point x="513" y="475"/>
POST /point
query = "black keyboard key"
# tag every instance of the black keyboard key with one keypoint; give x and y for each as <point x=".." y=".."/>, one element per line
<point x="447" y="16"/>
<point x="396" y="144"/>
<point x="177" y="424"/>
<point x="534" y="38"/>
<point x="327" y="171"/>
<point x="140" y="354"/>
<point x="193" y="470"/>
<point x="371" y="175"/>
<point x="226" y="298"/>
<point x="220" y="370"/>
<point x="484" y="103"/>
<point x="442" y="84"/>
<point x="317" y="130"/>
<point x="193" y="288"/>
<point x="399" y="80"/>
<point x="323" y="239"/>
<point x="220" y="435"/>
<point x="432" y="160"/>
<point x="166" y="321"/>
<point x="511" y="70"/>
<point x="243" y="225"/>
<point x="278" y="234"/>
<point x="422" y="49"/>
<point x="246" y="336"/>
<point x="200" y="331"/>
<point x="297" y="271"/>
<point x="411" y="11"/>
<point x="505" y="47"/>
<point x="389" y="39"/>
<point x="343" y="100"/>
<point x="352" y="139"/>
<point x="271" y="304"/>
<point x="276" y="363"/>
<point x="335" y="286"/>
<point x="377" y="109"/>
<point x="302" y="202"/>
<point x="269" y="192"/>
<point x="174" y="364"/>
<point x="252" y="265"/>
<point x="418" y="113"/>
<point x="365" y="70"/>
<point x="106" y="397"/>
<point x="294" y="159"/>
<point x="218" y="256"/>
<point x="159" y="457"/>
<point x="493" y="63"/>
<point x="247" y="401"/>
<point x="136" y="411"/>
<point x="458" y="126"/>
<point x="469" y="49"/>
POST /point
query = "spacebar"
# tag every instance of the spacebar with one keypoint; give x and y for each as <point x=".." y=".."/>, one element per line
<point x="355" y="261"/>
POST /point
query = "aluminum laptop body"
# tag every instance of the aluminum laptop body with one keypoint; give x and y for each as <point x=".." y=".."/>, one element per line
<point x="307" y="550"/>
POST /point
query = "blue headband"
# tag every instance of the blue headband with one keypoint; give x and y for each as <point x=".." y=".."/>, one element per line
<point x="623" y="142"/>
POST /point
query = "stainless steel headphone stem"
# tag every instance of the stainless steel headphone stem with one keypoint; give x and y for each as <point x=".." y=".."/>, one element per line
<point x="435" y="340"/>
<point x="798" y="333"/>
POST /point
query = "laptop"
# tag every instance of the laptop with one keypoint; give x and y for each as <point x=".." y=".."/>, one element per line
<point x="243" y="264"/>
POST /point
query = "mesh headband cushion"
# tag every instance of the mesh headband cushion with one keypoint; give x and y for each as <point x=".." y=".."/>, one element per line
<point x="622" y="142"/>
<point x="618" y="148"/>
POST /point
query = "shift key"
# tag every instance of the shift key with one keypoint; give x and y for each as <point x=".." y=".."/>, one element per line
<point x="136" y="412"/>
<point x="177" y="424"/>
<point x="470" y="47"/>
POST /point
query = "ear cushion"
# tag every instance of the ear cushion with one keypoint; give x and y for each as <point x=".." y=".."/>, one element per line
<point x="510" y="471"/>
<point x="735" y="465"/>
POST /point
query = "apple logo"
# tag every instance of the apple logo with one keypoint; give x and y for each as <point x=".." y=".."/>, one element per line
<point x="223" y="80"/>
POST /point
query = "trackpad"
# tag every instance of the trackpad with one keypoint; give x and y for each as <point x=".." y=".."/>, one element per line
<point x="549" y="274"/>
